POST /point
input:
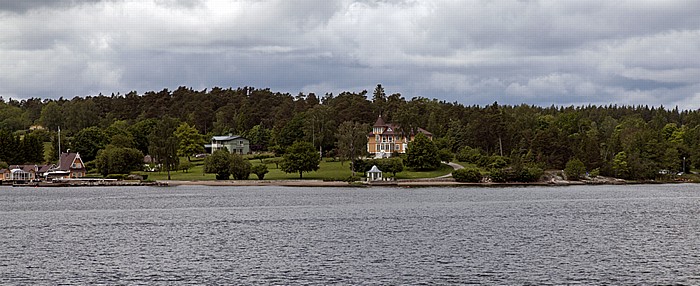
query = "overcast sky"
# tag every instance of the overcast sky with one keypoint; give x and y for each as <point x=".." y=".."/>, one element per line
<point x="473" y="52"/>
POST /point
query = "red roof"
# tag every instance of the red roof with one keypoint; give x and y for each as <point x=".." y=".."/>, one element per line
<point x="393" y="129"/>
<point x="380" y="122"/>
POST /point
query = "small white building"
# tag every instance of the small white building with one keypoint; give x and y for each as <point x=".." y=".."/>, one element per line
<point x="374" y="174"/>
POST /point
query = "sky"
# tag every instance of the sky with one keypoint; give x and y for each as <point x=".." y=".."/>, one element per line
<point x="472" y="52"/>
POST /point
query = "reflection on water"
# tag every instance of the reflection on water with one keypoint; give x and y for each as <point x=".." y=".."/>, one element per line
<point x="275" y="235"/>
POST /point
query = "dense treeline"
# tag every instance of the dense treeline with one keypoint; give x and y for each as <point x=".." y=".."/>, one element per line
<point x="622" y="141"/>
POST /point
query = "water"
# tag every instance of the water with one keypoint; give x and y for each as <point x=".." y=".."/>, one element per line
<point x="620" y="235"/>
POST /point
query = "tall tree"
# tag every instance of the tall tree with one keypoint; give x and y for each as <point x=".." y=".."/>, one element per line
<point x="379" y="100"/>
<point x="320" y="126"/>
<point x="351" y="140"/>
<point x="163" y="144"/>
<point x="52" y="116"/>
<point x="190" y="141"/>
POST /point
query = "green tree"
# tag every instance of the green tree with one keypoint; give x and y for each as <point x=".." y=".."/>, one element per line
<point x="351" y="141"/>
<point x="51" y="116"/>
<point x="190" y="141"/>
<point x="422" y="154"/>
<point x="141" y="131"/>
<point x="88" y="141"/>
<point x="320" y="126"/>
<point x="379" y="99"/>
<point x="260" y="171"/>
<point x="292" y="131"/>
<point x="163" y="144"/>
<point x="118" y="160"/>
<point x="219" y="163"/>
<point x="300" y="157"/>
<point x="390" y="165"/>
<point x="33" y="149"/>
<point x="575" y="169"/>
<point x="240" y="167"/>
<point x="259" y="137"/>
<point x="620" y="165"/>
<point x="119" y="135"/>
<point x="7" y="146"/>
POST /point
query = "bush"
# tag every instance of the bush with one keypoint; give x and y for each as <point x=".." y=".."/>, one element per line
<point x="574" y="170"/>
<point x="261" y="157"/>
<point x="503" y="175"/>
<point x="260" y="171"/>
<point x="530" y="174"/>
<point x="445" y="155"/>
<point x="467" y="175"/>
<point x="219" y="163"/>
<point x="469" y="155"/>
<point x="498" y="162"/>
<point x="240" y="167"/>
<point x="186" y="166"/>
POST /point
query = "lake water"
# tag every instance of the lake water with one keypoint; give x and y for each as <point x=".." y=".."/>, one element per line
<point x="588" y="235"/>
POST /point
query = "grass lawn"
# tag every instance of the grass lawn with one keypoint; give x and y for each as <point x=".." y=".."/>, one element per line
<point x="411" y="174"/>
<point x="326" y="171"/>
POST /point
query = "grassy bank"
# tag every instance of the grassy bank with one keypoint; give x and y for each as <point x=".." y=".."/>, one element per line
<point x="328" y="170"/>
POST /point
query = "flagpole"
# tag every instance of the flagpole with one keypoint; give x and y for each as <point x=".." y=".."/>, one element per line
<point x="59" y="144"/>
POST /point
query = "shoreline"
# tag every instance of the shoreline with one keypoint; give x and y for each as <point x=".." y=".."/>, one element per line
<point x="410" y="183"/>
<point x="400" y="183"/>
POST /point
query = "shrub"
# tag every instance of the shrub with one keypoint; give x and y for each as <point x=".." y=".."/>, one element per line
<point x="503" y="175"/>
<point x="574" y="169"/>
<point x="530" y="174"/>
<point x="240" y="167"/>
<point x="498" y="162"/>
<point x="467" y="175"/>
<point x="445" y="155"/>
<point x="260" y="171"/>
<point x="219" y="163"/>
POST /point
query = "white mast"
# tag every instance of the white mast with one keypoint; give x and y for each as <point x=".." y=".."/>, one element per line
<point x="59" y="144"/>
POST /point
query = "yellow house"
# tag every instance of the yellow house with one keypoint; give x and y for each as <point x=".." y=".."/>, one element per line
<point x="386" y="138"/>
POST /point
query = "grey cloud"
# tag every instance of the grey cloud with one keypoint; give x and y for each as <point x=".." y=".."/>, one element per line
<point x="21" y="6"/>
<point x="538" y="52"/>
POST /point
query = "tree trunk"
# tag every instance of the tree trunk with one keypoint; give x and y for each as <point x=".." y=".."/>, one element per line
<point x="352" y="160"/>
<point x="300" y="174"/>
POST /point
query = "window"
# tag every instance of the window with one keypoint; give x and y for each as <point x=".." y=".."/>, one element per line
<point x="397" y="147"/>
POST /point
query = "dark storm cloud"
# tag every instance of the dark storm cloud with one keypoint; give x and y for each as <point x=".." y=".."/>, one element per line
<point x="21" y="6"/>
<point x="474" y="52"/>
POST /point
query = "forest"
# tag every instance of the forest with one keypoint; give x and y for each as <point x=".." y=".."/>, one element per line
<point x="631" y="142"/>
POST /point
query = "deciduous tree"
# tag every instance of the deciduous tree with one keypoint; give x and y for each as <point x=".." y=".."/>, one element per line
<point x="351" y="141"/>
<point x="163" y="144"/>
<point x="190" y="142"/>
<point x="422" y="154"/>
<point x="299" y="158"/>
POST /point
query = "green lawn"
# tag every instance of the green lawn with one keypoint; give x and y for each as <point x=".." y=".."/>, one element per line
<point x="326" y="171"/>
<point x="411" y="174"/>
